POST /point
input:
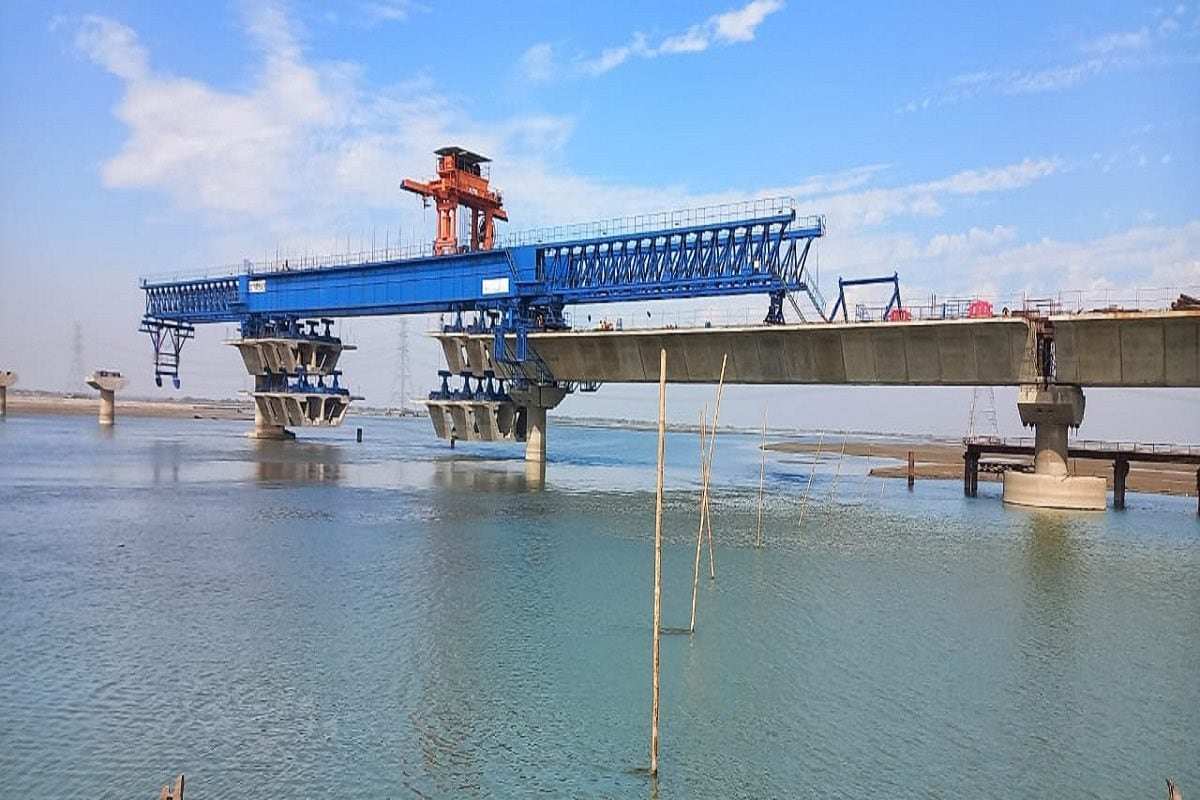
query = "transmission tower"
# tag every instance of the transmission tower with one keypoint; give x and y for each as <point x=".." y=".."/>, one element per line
<point x="984" y="407"/>
<point x="402" y="378"/>
<point x="78" y="371"/>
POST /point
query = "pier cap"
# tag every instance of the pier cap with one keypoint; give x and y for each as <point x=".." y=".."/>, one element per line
<point x="107" y="380"/>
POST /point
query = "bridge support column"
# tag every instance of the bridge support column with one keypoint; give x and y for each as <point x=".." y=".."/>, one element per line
<point x="1051" y="411"/>
<point x="971" y="472"/>
<point x="536" y="401"/>
<point x="1120" y="473"/>
<point x="7" y="379"/>
<point x="264" y="426"/>
<point x="107" y="382"/>
<point x="535" y="434"/>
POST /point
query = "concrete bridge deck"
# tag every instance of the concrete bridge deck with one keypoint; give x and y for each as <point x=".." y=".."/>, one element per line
<point x="1123" y="349"/>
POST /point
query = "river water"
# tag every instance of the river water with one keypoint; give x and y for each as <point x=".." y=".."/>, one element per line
<point x="326" y="619"/>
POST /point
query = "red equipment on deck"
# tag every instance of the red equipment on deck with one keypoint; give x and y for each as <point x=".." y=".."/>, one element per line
<point x="461" y="182"/>
<point x="980" y="309"/>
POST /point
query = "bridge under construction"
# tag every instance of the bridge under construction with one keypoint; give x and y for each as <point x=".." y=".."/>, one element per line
<point x="512" y="354"/>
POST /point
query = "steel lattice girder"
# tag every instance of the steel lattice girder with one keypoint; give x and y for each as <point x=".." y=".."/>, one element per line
<point x="749" y="256"/>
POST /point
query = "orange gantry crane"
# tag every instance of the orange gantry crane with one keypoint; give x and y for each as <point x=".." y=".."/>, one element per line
<point x="461" y="181"/>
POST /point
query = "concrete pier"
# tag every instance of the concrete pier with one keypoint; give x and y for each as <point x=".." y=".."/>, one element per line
<point x="266" y="426"/>
<point x="296" y="380"/>
<point x="1052" y="410"/>
<point x="108" y="382"/>
<point x="7" y="379"/>
<point x="535" y="401"/>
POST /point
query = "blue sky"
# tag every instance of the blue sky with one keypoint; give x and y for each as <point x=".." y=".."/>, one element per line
<point x="1022" y="147"/>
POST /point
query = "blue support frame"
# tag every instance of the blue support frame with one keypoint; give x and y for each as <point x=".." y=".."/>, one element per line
<point x="893" y="302"/>
<point x="524" y="287"/>
<point x="745" y="257"/>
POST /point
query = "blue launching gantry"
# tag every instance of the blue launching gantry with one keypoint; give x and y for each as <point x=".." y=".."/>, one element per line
<point x="521" y="285"/>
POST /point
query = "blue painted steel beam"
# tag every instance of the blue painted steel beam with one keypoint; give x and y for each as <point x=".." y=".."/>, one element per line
<point x="760" y="255"/>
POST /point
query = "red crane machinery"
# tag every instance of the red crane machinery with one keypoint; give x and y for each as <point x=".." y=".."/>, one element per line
<point x="461" y="182"/>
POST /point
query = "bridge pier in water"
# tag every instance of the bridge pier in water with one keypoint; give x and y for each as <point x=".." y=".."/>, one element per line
<point x="296" y="379"/>
<point x="1052" y="410"/>
<point x="7" y="379"/>
<point x="107" y="382"/>
<point x="536" y="401"/>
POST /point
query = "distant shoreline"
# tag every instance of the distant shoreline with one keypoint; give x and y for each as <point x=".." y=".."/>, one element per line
<point x="187" y="408"/>
<point x="937" y="458"/>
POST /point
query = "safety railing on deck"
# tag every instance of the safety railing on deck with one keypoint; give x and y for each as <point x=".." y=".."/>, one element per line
<point x="660" y="221"/>
<point x="1071" y="301"/>
<point x="1132" y="448"/>
<point x="641" y="223"/>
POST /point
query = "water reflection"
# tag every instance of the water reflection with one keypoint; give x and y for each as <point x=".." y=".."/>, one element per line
<point x="165" y="457"/>
<point x="1049" y="652"/>
<point x="301" y="462"/>
<point x="483" y="476"/>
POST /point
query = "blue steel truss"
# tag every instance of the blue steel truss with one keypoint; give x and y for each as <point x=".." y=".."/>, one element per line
<point x="750" y="256"/>
<point x="524" y="287"/>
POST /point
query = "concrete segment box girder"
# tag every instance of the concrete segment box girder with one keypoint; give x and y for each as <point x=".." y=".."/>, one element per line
<point x="859" y="356"/>
<point x="473" y="420"/>
<point x="1142" y="353"/>
<point x="1181" y="341"/>
<point x="452" y="350"/>
<point x="1145" y="349"/>
<point x="891" y="358"/>
<point x="922" y="356"/>
<point x="772" y="364"/>
<point x="1128" y="349"/>
<point x="287" y="356"/>
<point x="440" y="418"/>
<point x="956" y="354"/>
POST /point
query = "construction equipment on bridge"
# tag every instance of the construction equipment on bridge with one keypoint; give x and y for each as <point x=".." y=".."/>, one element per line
<point x="461" y="181"/>
<point x="890" y="310"/>
<point x="505" y="289"/>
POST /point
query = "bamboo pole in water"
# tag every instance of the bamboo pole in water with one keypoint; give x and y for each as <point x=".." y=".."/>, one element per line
<point x="658" y="507"/>
<point x="812" y="470"/>
<point x="862" y="487"/>
<point x="705" y="515"/>
<point x="762" y="474"/>
<point x="712" y="444"/>
<point x="838" y="473"/>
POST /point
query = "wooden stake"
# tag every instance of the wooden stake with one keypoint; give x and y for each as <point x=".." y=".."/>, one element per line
<point x="170" y="792"/>
<point x="811" y="472"/>
<point x="658" y="507"/>
<point x="837" y="474"/>
<point x="712" y="444"/>
<point x="706" y="471"/>
<point x="862" y="489"/>
<point x="762" y="474"/>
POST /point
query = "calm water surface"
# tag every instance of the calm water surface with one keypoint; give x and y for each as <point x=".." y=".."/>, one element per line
<point x="325" y="619"/>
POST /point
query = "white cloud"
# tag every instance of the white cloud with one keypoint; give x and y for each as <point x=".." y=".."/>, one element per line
<point x="973" y="240"/>
<point x="537" y="63"/>
<point x="1105" y="53"/>
<point x="1052" y="79"/>
<point x="739" y="25"/>
<point x="390" y="10"/>
<point x="614" y="57"/>
<point x="113" y="46"/>
<point x="732" y="27"/>
<point x="878" y="205"/>
<point x="1122" y="40"/>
